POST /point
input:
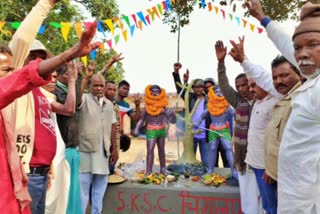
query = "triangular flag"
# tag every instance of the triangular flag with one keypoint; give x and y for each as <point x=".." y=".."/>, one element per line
<point x="93" y="54"/>
<point x="223" y="13"/>
<point x="78" y="28"/>
<point x="140" y="25"/>
<point x="148" y="19"/>
<point x="195" y="1"/>
<point x="84" y="60"/>
<point x="65" y="29"/>
<point x="100" y="29"/>
<point x="203" y="4"/>
<point x="132" y="30"/>
<point x="160" y="8"/>
<point x="260" y="30"/>
<point x="55" y="24"/>
<point x="126" y="19"/>
<point x="168" y="5"/>
<point x="244" y="23"/>
<point x="125" y="35"/>
<point x="109" y="42"/>
<point x="154" y="9"/>
<point x="6" y="32"/>
<point x="238" y="20"/>
<point x="134" y="19"/>
<point x="141" y="16"/>
<point x="164" y="6"/>
<point x="151" y="13"/>
<point x="42" y="29"/>
<point x="102" y="48"/>
<point x="15" y="25"/>
<point x="117" y="38"/>
<point x="119" y="23"/>
<point x="252" y="27"/>
<point x="230" y="16"/>
<point x="216" y="9"/>
<point x="110" y="25"/>
<point x="209" y="6"/>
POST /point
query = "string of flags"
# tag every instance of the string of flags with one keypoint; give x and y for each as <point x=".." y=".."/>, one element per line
<point x="126" y="25"/>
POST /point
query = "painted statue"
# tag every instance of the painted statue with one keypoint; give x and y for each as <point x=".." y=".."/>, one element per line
<point x="219" y="110"/>
<point x="155" y="115"/>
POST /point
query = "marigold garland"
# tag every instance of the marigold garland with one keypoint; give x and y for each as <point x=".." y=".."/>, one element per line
<point x="216" y="105"/>
<point x="154" y="105"/>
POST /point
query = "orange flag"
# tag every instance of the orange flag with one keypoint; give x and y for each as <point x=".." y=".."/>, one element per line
<point x="78" y="28"/>
<point x="65" y="29"/>
<point x="155" y="10"/>
<point x="140" y="24"/>
<point x="119" y="22"/>
<point x="102" y="48"/>
<point x="244" y="23"/>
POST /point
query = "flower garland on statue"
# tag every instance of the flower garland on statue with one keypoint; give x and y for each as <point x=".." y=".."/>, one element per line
<point x="154" y="105"/>
<point x="216" y="105"/>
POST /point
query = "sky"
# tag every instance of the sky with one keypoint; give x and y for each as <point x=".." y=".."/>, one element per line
<point x="150" y="53"/>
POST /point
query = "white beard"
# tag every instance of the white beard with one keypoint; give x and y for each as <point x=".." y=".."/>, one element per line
<point x="311" y="76"/>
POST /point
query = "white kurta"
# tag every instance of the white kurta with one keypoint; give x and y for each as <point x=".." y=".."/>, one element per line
<point x="299" y="154"/>
<point x="57" y="194"/>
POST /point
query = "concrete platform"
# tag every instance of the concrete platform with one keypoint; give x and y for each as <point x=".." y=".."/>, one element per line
<point x="184" y="196"/>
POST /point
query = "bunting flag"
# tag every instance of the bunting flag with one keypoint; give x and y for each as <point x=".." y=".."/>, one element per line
<point x="84" y="59"/>
<point x="42" y="29"/>
<point x="141" y="17"/>
<point x="119" y="29"/>
<point x="78" y="28"/>
<point x="65" y="29"/>
<point x="125" y="35"/>
<point x="93" y="54"/>
<point x="110" y="25"/>
<point x="126" y="19"/>
<point x="148" y="19"/>
<point x="109" y="42"/>
<point x="100" y="29"/>
<point x="154" y="9"/>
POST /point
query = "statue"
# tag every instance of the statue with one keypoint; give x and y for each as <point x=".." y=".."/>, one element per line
<point x="155" y="115"/>
<point x="219" y="110"/>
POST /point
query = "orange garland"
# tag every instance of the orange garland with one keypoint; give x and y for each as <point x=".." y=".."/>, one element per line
<point x="216" y="105"/>
<point x="154" y="105"/>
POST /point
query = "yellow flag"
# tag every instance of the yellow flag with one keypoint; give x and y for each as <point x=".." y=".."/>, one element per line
<point x="4" y="31"/>
<point x="78" y="28"/>
<point x="65" y="29"/>
<point x="125" y="35"/>
<point x="252" y="27"/>
<point x="110" y="25"/>
<point x="84" y="60"/>
<point x="119" y="22"/>
<point x="216" y="9"/>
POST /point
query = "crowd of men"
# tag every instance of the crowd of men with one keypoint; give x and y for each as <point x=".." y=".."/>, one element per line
<point x="49" y="123"/>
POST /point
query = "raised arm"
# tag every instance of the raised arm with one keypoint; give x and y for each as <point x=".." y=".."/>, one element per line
<point x="26" y="33"/>
<point x="228" y="92"/>
<point x="113" y="59"/>
<point x="177" y="80"/>
<point x="140" y="123"/>
<point x="82" y="48"/>
<point x="277" y="33"/>
<point x="69" y="107"/>
<point x="260" y="75"/>
<point x="135" y="116"/>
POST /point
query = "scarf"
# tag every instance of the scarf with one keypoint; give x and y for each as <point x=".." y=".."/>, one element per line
<point x="18" y="175"/>
<point x="243" y="112"/>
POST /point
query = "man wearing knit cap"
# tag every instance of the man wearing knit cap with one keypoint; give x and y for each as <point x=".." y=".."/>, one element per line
<point x="299" y="160"/>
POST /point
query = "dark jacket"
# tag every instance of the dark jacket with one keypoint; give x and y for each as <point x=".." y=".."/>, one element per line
<point x="69" y="125"/>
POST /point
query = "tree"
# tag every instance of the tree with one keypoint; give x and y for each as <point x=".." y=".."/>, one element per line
<point x="15" y="11"/>
<point x="177" y="16"/>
